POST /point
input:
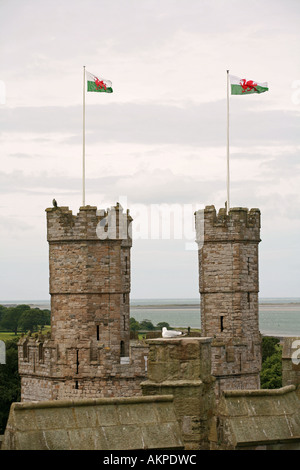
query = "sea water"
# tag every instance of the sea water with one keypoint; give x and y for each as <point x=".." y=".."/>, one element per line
<point x="277" y="316"/>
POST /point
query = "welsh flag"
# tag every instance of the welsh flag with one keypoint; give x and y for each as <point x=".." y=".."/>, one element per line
<point x="99" y="85"/>
<point x="242" y="86"/>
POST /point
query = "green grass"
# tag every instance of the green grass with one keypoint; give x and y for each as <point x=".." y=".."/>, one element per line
<point x="8" y="335"/>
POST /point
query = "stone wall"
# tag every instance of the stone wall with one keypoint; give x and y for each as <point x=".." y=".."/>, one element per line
<point x="47" y="375"/>
<point x="228" y="284"/>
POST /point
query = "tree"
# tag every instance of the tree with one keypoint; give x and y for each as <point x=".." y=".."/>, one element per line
<point x="134" y="325"/>
<point x="11" y="319"/>
<point x="33" y="319"/>
<point x="46" y="317"/>
<point x="269" y="346"/>
<point x="271" y="371"/>
<point x="2" y="311"/>
<point x="162" y="324"/>
<point x="24" y="318"/>
<point x="147" y="325"/>
<point x="10" y="386"/>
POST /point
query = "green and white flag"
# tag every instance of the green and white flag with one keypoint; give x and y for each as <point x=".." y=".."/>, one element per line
<point x="241" y="86"/>
<point x="99" y="85"/>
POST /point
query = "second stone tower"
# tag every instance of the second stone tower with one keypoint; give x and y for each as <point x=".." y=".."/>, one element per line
<point x="229" y="286"/>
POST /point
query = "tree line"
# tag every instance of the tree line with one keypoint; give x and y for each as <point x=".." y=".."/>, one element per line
<point x="146" y="325"/>
<point x="22" y="318"/>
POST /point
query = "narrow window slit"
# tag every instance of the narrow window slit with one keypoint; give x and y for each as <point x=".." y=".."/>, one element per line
<point x="77" y="361"/>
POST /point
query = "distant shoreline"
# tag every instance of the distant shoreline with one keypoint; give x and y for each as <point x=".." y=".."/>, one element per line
<point x="44" y="304"/>
<point x="174" y="306"/>
<point x="165" y="306"/>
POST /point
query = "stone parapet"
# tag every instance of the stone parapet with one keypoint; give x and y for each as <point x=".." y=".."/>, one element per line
<point x="51" y="371"/>
<point x="182" y="367"/>
<point x="239" y="224"/>
<point x="89" y="224"/>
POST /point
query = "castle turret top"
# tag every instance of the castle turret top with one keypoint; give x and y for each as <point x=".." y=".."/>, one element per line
<point x="88" y="224"/>
<point x="239" y="223"/>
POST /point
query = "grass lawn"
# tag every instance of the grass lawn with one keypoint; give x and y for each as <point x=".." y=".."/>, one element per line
<point x="8" y="335"/>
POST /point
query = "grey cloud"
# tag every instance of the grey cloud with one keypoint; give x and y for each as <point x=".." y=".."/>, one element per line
<point x="201" y="124"/>
<point x="12" y="224"/>
<point x="286" y="164"/>
<point x="154" y="187"/>
<point x="18" y="182"/>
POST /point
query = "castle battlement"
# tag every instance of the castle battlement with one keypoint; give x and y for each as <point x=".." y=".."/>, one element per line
<point x="238" y="224"/>
<point x="89" y="224"/>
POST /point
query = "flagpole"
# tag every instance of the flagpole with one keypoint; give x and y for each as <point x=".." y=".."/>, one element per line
<point x="83" y="142"/>
<point x="228" y="176"/>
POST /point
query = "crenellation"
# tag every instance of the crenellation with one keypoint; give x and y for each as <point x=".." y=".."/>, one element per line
<point x="89" y="224"/>
<point x="239" y="224"/>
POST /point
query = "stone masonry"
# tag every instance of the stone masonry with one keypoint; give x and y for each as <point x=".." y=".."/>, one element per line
<point x="228" y="284"/>
<point x="88" y="354"/>
<point x="182" y="367"/>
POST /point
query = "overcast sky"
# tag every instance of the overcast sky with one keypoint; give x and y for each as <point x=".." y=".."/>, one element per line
<point x="159" y="141"/>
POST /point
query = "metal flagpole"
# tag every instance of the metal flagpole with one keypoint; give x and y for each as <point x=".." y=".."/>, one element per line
<point x="83" y="142"/>
<point x="228" y="176"/>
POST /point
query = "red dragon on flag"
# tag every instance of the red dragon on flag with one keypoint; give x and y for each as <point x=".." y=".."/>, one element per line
<point x="100" y="83"/>
<point x="248" y="85"/>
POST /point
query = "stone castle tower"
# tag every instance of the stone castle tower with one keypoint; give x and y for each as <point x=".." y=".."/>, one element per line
<point x="88" y="353"/>
<point x="228" y="284"/>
